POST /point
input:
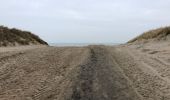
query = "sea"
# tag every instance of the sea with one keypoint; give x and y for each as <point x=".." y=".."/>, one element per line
<point x="80" y="44"/>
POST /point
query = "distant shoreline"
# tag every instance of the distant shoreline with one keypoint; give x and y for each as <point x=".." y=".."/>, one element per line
<point x="81" y="44"/>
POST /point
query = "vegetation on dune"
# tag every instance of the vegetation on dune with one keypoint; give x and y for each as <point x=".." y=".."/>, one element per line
<point x="156" y="34"/>
<point x="12" y="37"/>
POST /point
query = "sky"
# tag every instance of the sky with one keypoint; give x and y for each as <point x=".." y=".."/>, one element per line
<point x="85" y="21"/>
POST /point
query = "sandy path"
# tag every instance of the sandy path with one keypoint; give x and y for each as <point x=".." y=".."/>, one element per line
<point x="100" y="78"/>
<point x="37" y="74"/>
<point x="83" y="73"/>
<point x="144" y="73"/>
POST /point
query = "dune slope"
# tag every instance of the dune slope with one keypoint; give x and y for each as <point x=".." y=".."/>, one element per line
<point x="153" y="35"/>
<point x="13" y="37"/>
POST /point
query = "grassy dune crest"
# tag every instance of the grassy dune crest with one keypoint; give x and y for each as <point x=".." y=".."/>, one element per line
<point x="13" y="37"/>
<point x="155" y="35"/>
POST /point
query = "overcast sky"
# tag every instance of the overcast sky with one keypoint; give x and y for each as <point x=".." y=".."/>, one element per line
<point x="85" y="21"/>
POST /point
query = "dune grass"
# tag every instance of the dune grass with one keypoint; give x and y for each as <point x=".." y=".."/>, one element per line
<point x="15" y="36"/>
<point x="157" y="34"/>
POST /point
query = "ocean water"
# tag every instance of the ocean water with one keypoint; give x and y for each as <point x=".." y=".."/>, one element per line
<point x="80" y="44"/>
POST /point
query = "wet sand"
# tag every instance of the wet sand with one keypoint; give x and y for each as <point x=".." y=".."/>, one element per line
<point x="124" y="72"/>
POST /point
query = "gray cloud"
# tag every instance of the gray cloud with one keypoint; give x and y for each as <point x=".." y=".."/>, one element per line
<point x="85" y="20"/>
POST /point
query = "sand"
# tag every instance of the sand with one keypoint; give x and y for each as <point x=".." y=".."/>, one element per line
<point x="124" y="72"/>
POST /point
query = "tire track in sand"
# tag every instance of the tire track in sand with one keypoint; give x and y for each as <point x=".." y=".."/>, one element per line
<point x="100" y="78"/>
